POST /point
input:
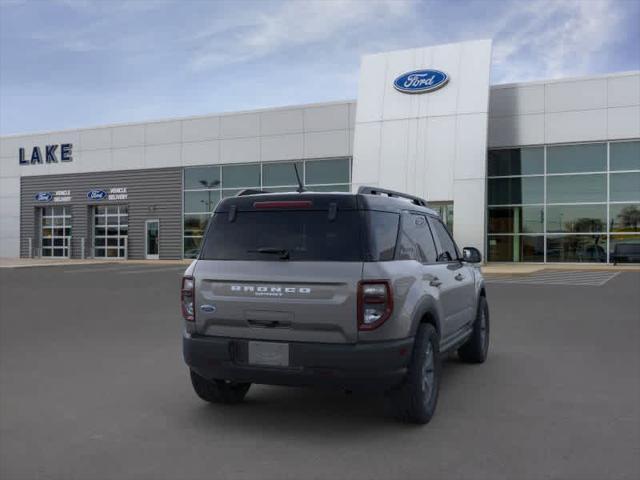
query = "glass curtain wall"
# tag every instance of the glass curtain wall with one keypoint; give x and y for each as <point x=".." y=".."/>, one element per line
<point x="205" y="186"/>
<point x="564" y="203"/>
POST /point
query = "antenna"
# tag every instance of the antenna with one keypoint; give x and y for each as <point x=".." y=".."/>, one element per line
<point x="300" y="185"/>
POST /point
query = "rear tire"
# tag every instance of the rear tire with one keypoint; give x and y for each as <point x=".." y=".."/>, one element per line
<point x="218" y="391"/>
<point x="416" y="399"/>
<point x="476" y="349"/>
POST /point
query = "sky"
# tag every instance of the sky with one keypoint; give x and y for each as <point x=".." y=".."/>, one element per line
<point x="79" y="63"/>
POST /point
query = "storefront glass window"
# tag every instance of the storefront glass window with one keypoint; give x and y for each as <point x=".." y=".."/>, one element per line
<point x="577" y="218"/>
<point x="205" y="186"/>
<point x="624" y="217"/>
<point x="516" y="161"/>
<point x="577" y="248"/>
<point x="625" y="187"/>
<point x="516" y="191"/>
<point x="321" y="172"/>
<point x="241" y="176"/>
<point x="590" y="157"/>
<point x="515" y="248"/>
<point x="202" y="177"/>
<point x="201" y="201"/>
<point x="194" y="225"/>
<point x="624" y="249"/>
<point x="516" y="219"/>
<point x="281" y="174"/>
<point x="576" y="188"/>
<point x="625" y="155"/>
<point x="581" y="215"/>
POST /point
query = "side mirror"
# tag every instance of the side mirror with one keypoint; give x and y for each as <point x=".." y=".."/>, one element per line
<point x="471" y="255"/>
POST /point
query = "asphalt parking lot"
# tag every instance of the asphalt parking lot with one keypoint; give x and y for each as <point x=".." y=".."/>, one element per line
<point x="92" y="386"/>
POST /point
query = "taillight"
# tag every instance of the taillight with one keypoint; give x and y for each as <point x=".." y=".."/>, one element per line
<point x="375" y="303"/>
<point x="187" y="299"/>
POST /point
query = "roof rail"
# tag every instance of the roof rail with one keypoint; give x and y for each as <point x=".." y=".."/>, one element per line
<point x="250" y="191"/>
<point x="365" y="190"/>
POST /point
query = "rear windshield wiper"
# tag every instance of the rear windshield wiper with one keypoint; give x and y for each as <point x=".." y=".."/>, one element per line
<point x="284" y="253"/>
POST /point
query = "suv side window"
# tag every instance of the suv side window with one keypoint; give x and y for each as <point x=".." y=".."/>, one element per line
<point x="415" y="242"/>
<point x="448" y="250"/>
<point x="383" y="233"/>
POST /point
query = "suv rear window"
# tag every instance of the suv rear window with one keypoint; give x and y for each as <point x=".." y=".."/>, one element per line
<point x="304" y="235"/>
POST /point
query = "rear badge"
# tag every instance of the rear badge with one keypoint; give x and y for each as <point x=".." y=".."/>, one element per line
<point x="270" y="291"/>
<point x="208" y="308"/>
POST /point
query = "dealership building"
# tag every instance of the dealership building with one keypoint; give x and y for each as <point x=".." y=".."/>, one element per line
<point x="544" y="171"/>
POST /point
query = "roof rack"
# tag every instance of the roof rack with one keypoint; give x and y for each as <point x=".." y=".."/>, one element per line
<point x="250" y="191"/>
<point x="365" y="190"/>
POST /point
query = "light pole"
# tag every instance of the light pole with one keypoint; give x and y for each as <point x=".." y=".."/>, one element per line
<point x="209" y="186"/>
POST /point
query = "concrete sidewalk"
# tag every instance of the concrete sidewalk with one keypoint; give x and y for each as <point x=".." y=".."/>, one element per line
<point x="49" y="262"/>
<point x="492" y="268"/>
<point x="526" y="269"/>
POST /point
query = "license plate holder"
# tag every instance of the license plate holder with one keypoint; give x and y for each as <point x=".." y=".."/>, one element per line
<point x="269" y="354"/>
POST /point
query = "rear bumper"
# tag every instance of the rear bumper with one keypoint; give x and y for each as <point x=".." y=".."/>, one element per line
<point x="378" y="365"/>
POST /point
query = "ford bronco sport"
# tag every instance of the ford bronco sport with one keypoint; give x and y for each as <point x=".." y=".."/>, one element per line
<point x="349" y="290"/>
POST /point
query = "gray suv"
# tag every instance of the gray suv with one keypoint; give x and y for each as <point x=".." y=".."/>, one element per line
<point x="364" y="290"/>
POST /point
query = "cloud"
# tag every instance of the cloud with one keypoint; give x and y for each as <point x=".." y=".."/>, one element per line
<point x="288" y="25"/>
<point x="549" y="39"/>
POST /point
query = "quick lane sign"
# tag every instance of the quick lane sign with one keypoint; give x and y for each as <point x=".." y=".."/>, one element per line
<point x="52" y="153"/>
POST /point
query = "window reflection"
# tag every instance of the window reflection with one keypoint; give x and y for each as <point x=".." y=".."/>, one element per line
<point x="577" y="248"/>
<point x="590" y="157"/>
<point x="516" y="219"/>
<point x="588" y="216"/>
<point x="516" y="191"/>
<point x="516" y="248"/>
<point x="201" y="177"/>
<point x="625" y="248"/>
<point x="576" y="188"/>
<point x="625" y="155"/>
<point x="516" y="161"/>
<point x="624" y="217"/>
<point x="576" y="218"/>
<point x="192" y="246"/>
<point x="625" y="187"/>
<point x="194" y="225"/>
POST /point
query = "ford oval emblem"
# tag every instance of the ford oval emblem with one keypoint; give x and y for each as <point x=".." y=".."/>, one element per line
<point x="97" y="195"/>
<point x="208" y="308"/>
<point x="420" y="81"/>
<point x="44" y="196"/>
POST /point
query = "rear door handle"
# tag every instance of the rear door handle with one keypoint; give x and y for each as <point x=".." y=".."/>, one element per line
<point x="459" y="277"/>
<point x="435" y="282"/>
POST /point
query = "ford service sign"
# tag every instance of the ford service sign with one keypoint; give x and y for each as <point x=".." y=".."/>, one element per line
<point x="97" y="195"/>
<point x="420" y="81"/>
<point x="44" y="196"/>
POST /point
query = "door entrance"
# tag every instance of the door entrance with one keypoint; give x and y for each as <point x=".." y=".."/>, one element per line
<point x="55" y="233"/>
<point x="152" y="239"/>
<point x="110" y="231"/>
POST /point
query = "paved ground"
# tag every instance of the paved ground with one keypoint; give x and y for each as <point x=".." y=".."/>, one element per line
<point x="92" y="386"/>
<point x="549" y="277"/>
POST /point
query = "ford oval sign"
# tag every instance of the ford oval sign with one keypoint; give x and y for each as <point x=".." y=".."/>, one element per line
<point x="420" y="81"/>
<point x="97" y="195"/>
<point x="44" y="196"/>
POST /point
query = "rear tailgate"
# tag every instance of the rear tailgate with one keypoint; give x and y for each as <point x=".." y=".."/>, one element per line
<point x="278" y="300"/>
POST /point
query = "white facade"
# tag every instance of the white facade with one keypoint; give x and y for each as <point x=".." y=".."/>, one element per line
<point x="565" y="111"/>
<point x="301" y="132"/>
<point x="433" y="144"/>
